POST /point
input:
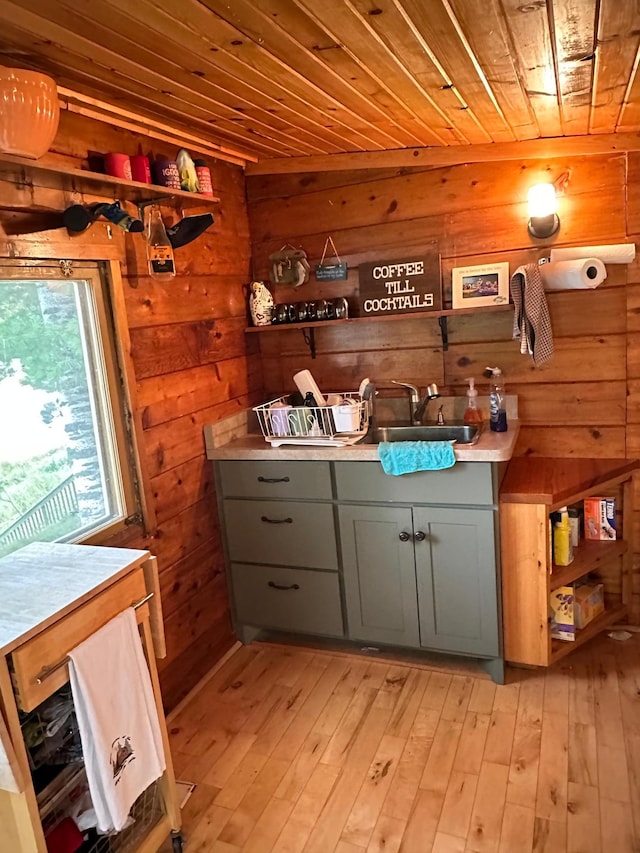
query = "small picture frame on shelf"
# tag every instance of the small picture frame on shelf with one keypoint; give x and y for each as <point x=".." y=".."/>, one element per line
<point x="480" y="286"/>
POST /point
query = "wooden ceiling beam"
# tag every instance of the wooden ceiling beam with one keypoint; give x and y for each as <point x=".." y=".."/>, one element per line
<point x="562" y="146"/>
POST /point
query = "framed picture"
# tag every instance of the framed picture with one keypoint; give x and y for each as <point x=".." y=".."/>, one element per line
<point x="477" y="287"/>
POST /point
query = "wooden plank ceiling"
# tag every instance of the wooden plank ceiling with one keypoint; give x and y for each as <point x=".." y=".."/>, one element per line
<point x="290" y="78"/>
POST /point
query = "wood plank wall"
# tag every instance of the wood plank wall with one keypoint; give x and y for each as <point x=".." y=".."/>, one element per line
<point x="584" y="402"/>
<point x="193" y="365"/>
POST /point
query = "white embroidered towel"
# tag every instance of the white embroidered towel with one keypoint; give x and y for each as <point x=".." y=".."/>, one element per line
<point x="117" y="719"/>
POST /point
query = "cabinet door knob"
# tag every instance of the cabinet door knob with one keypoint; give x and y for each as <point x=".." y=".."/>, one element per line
<point x="420" y="536"/>
<point x="404" y="536"/>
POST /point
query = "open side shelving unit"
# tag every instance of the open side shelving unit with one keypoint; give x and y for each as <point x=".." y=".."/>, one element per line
<point x="531" y="490"/>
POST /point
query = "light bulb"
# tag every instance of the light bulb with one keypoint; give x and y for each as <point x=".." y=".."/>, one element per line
<point x="542" y="204"/>
<point x="542" y="200"/>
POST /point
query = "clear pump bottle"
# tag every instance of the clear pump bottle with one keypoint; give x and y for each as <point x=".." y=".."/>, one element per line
<point x="472" y="414"/>
<point x="497" y="401"/>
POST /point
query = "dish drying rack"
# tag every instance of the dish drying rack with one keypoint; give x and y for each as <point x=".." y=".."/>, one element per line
<point x="282" y="423"/>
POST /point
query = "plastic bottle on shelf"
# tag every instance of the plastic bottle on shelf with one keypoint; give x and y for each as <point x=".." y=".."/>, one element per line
<point x="472" y="414"/>
<point x="562" y="548"/>
<point x="159" y="250"/>
<point x="497" y="402"/>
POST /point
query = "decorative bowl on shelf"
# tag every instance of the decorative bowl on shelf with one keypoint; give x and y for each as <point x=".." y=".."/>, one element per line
<point x="29" y="112"/>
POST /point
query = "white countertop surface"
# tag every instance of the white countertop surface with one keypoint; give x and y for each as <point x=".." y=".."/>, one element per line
<point x="491" y="447"/>
<point x="44" y="581"/>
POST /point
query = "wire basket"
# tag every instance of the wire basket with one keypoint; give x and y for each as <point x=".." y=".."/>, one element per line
<point x="145" y="813"/>
<point x="347" y="418"/>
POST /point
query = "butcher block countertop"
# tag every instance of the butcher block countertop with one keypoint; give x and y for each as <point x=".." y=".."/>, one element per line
<point x="491" y="447"/>
<point x="44" y="581"/>
<point x="552" y="482"/>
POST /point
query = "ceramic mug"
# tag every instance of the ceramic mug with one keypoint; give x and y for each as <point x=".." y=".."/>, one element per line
<point x="280" y="313"/>
<point x="279" y="416"/>
<point x="301" y="422"/>
<point x="321" y="307"/>
<point x="166" y="174"/>
<point x="292" y="312"/>
<point x="140" y="169"/>
<point x="118" y="165"/>
<point x="340" y="308"/>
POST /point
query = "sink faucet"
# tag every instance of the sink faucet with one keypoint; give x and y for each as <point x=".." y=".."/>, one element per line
<point x="417" y="407"/>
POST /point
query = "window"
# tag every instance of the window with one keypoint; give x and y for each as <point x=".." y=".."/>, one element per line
<point x="65" y="457"/>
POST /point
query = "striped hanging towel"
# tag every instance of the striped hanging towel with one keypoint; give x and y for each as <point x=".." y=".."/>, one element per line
<point x="531" y="320"/>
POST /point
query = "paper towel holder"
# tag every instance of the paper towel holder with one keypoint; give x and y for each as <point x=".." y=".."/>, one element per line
<point x="543" y="204"/>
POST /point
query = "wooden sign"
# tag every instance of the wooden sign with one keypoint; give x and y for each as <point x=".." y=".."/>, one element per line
<point x="400" y="286"/>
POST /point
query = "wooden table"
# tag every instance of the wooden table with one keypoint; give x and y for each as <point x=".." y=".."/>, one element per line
<point x="52" y="597"/>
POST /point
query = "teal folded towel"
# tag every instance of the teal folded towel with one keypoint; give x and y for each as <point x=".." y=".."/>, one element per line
<point x="405" y="457"/>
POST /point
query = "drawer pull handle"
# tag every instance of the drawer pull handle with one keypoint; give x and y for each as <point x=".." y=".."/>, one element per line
<point x="273" y="479"/>
<point x="49" y="670"/>
<point x="420" y="536"/>
<point x="275" y="585"/>
<point x="276" y="520"/>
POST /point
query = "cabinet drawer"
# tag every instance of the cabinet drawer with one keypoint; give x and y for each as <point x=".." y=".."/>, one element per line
<point x="281" y="533"/>
<point x="465" y="483"/>
<point x="297" y="600"/>
<point x="53" y="644"/>
<point x="252" y="479"/>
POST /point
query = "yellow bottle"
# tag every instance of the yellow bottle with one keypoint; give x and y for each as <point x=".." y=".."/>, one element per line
<point x="562" y="548"/>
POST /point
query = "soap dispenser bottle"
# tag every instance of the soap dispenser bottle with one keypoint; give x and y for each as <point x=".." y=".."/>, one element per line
<point x="472" y="415"/>
<point x="497" y="402"/>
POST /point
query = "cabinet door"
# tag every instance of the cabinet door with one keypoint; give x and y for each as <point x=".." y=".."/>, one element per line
<point x="379" y="574"/>
<point x="456" y="576"/>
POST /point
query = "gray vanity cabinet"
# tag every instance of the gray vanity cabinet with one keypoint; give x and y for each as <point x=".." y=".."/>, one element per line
<point x="420" y="574"/>
<point x="341" y="549"/>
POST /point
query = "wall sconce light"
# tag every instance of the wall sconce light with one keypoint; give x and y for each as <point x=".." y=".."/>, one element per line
<point x="543" y="204"/>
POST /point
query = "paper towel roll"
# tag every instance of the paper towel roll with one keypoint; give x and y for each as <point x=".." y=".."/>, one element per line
<point x="573" y="275"/>
<point x="623" y="253"/>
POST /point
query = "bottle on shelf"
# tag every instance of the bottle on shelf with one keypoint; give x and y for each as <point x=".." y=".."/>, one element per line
<point x="497" y="401"/>
<point x="160" y="259"/>
<point x="472" y="414"/>
<point x="562" y="547"/>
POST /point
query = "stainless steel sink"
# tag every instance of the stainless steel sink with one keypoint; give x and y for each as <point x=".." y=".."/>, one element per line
<point x="460" y="433"/>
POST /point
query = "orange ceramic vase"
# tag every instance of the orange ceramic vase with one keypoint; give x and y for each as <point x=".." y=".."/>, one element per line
<point x="29" y="112"/>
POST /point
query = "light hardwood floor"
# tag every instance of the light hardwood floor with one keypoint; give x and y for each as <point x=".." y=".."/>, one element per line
<point x="296" y="750"/>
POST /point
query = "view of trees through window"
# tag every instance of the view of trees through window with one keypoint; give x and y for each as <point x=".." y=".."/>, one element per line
<point x="59" y="466"/>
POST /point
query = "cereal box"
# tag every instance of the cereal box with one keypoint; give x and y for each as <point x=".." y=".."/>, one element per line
<point x="561" y="621"/>
<point x="600" y="518"/>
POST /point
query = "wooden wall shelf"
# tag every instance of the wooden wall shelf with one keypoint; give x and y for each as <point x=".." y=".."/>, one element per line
<point x="440" y="316"/>
<point x="79" y="180"/>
